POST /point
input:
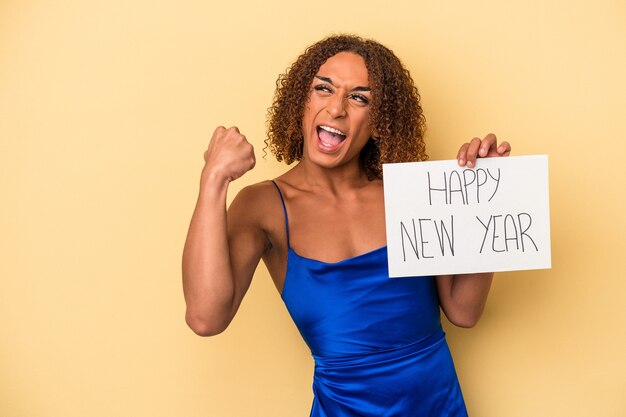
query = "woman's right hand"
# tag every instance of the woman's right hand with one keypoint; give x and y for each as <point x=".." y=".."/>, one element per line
<point x="228" y="156"/>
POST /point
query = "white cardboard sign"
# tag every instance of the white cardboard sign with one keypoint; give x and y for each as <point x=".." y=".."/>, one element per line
<point x="445" y="219"/>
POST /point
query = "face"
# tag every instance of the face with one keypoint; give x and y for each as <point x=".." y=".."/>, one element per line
<point x="336" y="117"/>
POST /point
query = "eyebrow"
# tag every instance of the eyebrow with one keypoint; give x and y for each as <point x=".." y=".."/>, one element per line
<point x="329" y="81"/>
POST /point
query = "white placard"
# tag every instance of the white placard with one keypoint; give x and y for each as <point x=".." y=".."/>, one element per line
<point x="445" y="219"/>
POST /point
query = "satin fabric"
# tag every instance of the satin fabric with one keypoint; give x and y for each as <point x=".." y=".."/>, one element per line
<point x="378" y="344"/>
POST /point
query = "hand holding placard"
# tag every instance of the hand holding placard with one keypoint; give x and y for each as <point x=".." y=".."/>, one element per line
<point x="445" y="219"/>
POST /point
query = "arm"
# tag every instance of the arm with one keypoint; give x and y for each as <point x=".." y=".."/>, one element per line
<point x="463" y="296"/>
<point x="221" y="253"/>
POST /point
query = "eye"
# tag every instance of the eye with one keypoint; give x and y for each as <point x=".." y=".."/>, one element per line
<point x="323" y="88"/>
<point x="359" y="98"/>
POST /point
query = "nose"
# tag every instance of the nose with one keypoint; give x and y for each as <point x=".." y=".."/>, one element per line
<point x="336" y="106"/>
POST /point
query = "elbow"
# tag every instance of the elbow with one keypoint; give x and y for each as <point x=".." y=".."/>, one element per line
<point x="205" y="327"/>
<point x="466" y="323"/>
<point x="464" y="320"/>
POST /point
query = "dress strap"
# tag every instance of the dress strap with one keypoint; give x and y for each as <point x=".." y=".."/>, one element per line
<point x="282" y="200"/>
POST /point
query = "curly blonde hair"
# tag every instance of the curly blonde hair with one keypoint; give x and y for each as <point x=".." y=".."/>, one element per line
<point x="395" y="113"/>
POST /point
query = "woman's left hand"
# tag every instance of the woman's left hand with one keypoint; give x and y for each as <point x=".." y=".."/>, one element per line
<point x="485" y="148"/>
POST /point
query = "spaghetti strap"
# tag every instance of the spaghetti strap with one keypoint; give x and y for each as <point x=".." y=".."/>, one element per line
<point x="282" y="200"/>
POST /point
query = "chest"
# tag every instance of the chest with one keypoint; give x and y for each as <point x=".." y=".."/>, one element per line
<point x="332" y="229"/>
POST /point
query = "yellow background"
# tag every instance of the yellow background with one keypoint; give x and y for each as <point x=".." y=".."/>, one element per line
<point x="106" y="108"/>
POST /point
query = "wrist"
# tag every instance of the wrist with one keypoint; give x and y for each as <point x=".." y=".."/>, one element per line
<point x="213" y="183"/>
<point x="213" y="175"/>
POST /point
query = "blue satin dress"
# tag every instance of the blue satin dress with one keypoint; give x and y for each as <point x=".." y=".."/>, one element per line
<point x="378" y="344"/>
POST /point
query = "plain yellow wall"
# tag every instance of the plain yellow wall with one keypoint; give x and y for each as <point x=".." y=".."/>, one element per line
<point x="106" y="108"/>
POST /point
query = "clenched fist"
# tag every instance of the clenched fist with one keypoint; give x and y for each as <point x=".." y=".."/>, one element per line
<point x="228" y="156"/>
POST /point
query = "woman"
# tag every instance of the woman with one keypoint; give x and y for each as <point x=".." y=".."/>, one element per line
<point x="345" y="106"/>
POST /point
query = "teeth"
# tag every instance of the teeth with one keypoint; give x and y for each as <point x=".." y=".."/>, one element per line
<point x="332" y="130"/>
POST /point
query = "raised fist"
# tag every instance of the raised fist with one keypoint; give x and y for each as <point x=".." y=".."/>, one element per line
<point x="229" y="154"/>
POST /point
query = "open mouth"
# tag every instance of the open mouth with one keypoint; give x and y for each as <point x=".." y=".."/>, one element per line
<point x="330" y="138"/>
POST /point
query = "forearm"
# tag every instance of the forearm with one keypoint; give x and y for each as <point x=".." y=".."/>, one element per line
<point x="463" y="297"/>
<point x="208" y="282"/>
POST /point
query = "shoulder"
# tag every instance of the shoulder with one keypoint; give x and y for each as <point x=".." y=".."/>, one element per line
<point x="257" y="213"/>
<point x="258" y="195"/>
<point x="256" y="204"/>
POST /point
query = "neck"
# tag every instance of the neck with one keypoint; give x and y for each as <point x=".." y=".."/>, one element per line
<point x="335" y="180"/>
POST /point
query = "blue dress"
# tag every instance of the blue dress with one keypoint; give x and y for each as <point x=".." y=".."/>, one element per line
<point x="378" y="344"/>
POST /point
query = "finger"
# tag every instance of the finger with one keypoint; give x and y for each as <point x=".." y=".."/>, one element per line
<point x="461" y="156"/>
<point x="472" y="152"/>
<point x="231" y="133"/>
<point x="218" y="132"/>
<point x="253" y="157"/>
<point x="488" y="144"/>
<point x="504" y="149"/>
